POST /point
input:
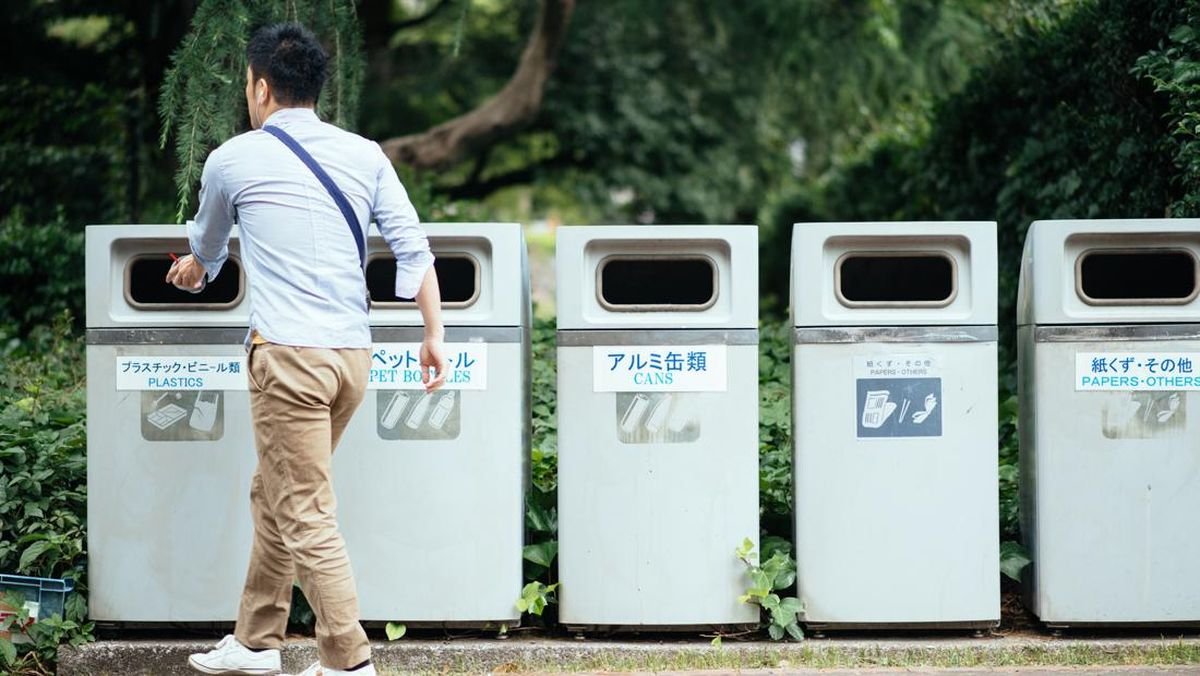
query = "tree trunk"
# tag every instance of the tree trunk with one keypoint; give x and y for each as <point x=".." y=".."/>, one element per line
<point x="515" y="106"/>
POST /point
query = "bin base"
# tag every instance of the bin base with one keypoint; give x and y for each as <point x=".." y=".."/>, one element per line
<point x="484" y="625"/>
<point x="1170" y="624"/>
<point x="606" y="629"/>
<point x="884" y="626"/>
<point x="109" y="628"/>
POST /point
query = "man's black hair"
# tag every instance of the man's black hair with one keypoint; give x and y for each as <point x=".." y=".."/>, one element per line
<point x="289" y="58"/>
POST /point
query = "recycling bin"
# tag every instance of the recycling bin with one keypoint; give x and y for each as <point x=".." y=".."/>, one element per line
<point x="431" y="486"/>
<point x="1108" y="349"/>
<point x="170" y="444"/>
<point x="894" y="424"/>
<point x="657" y="424"/>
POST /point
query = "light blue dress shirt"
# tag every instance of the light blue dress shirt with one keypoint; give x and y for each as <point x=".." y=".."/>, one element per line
<point x="306" y="282"/>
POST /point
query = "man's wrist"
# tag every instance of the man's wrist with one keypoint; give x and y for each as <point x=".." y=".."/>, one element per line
<point x="435" y="333"/>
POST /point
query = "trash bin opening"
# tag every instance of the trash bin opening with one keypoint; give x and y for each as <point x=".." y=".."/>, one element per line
<point x="640" y="283"/>
<point x="1136" y="276"/>
<point x="146" y="288"/>
<point x="896" y="279"/>
<point x="457" y="275"/>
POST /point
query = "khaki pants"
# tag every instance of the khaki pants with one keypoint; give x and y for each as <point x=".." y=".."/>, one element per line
<point x="301" y="400"/>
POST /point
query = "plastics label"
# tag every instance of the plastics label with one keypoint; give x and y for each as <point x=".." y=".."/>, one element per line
<point x="666" y="368"/>
<point x="397" y="366"/>
<point x="1136" y="371"/>
<point x="181" y="373"/>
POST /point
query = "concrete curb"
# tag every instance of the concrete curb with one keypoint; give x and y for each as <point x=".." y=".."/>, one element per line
<point x="169" y="657"/>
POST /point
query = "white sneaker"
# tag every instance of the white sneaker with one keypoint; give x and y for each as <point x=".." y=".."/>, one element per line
<point x="231" y="657"/>
<point x="315" y="669"/>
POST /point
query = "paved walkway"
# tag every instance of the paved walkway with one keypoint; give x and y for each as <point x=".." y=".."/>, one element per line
<point x="821" y="656"/>
<point x="1191" y="670"/>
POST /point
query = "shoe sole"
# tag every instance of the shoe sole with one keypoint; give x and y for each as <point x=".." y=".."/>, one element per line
<point x="231" y="672"/>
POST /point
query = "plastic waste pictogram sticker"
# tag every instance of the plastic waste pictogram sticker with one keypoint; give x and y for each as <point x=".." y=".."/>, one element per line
<point x="183" y="415"/>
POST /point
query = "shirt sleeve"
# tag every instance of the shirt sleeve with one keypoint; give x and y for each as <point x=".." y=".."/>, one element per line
<point x="208" y="234"/>
<point x="401" y="229"/>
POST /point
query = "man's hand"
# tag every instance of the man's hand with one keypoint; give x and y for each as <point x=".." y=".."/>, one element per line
<point x="433" y="363"/>
<point x="186" y="273"/>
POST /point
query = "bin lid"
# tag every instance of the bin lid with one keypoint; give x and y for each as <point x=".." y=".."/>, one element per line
<point x="657" y="277"/>
<point x="483" y="272"/>
<point x="1115" y="271"/>
<point x="894" y="274"/>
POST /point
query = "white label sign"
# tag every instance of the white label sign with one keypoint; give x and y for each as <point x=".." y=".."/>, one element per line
<point x="897" y="366"/>
<point x="667" y="368"/>
<point x="181" y="373"/>
<point x="1129" y="371"/>
<point x="397" y="366"/>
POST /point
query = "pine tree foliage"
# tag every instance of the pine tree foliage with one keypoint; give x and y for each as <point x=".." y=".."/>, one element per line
<point x="203" y="102"/>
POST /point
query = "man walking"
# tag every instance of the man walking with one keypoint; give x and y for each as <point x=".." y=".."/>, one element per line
<point x="303" y="192"/>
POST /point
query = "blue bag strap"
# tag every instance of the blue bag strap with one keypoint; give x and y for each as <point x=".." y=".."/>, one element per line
<point x="327" y="181"/>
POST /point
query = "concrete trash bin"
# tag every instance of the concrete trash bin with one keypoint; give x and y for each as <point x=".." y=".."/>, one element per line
<point x="894" y="424"/>
<point x="431" y="487"/>
<point x="657" y="424"/>
<point x="170" y="443"/>
<point x="1109" y="354"/>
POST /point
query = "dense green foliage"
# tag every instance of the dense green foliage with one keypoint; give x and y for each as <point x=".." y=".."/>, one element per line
<point x="43" y="480"/>
<point x="667" y="112"/>
<point x="1063" y="123"/>
<point x="775" y="428"/>
<point x="41" y="266"/>
<point x="541" y="502"/>
<point x="718" y="104"/>
<point x="1174" y="69"/>
<point x="77" y="131"/>
<point x="56" y="157"/>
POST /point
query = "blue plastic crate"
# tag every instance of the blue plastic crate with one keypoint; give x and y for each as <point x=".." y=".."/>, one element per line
<point x="50" y="594"/>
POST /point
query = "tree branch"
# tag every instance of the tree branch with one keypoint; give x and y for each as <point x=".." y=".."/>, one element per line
<point x="513" y="107"/>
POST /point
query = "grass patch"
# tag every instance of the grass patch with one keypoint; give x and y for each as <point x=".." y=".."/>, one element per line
<point x="733" y="656"/>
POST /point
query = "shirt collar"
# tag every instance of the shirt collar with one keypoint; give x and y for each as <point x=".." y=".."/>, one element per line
<point x="291" y="114"/>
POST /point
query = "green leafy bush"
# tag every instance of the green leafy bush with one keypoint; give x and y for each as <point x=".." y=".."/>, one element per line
<point x="776" y="573"/>
<point x="1174" y="70"/>
<point x="545" y="386"/>
<point x="61" y="149"/>
<point x="541" y="502"/>
<point x="1010" y="528"/>
<point x="775" y="427"/>
<point x="536" y="597"/>
<point x="43" y="481"/>
<point x="41" y="271"/>
<point x="1013" y="556"/>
